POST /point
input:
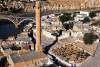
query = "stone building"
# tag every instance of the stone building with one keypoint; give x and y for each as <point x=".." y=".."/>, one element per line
<point x="23" y="58"/>
<point x="29" y="59"/>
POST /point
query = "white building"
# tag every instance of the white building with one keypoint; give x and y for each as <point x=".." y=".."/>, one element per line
<point x="84" y="13"/>
<point x="81" y="15"/>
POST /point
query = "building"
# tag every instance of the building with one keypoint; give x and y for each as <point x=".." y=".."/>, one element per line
<point x="26" y="57"/>
<point x="81" y="15"/>
<point x="23" y="58"/>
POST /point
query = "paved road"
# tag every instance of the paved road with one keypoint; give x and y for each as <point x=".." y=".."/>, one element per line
<point x="94" y="61"/>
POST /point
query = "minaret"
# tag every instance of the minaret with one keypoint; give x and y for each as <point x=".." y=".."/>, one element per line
<point x="38" y="47"/>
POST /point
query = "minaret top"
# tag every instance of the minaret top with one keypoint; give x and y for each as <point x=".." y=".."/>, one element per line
<point x="37" y="3"/>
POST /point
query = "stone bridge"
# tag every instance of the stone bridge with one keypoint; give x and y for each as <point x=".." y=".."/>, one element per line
<point x="17" y="20"/>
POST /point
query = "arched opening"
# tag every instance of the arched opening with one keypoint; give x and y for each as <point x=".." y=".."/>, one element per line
<point x="26" y="26"/>
<point x="24" y="23"/>
<point x="7" y="29"/>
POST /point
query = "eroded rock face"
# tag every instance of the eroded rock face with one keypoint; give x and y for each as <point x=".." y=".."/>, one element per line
<point x="74" y="4"/>
<point x="62" y="5"/>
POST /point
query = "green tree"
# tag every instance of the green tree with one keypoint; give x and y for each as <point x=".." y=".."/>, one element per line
<point x="86" y="19"/>
<point x="3" y="62"/>
<point x="89" y="38"/>
<point x="57" y="33"/>
<point x="92" y="14"/>
<point x="68" y="26"/>
<point x="65" y="17"/>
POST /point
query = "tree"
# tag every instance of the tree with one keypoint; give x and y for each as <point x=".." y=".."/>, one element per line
<point x="57" y="33"/>
<point x="3" y="62"/>
<point x="15" y="47"/>
<point x="2" y="1"/>
<point x="92" y="14"/>
<point x="86" y="19"/>
<point x="68" y="26"/>
<point x="89" y="38"/>
<point x="65" y="17"/>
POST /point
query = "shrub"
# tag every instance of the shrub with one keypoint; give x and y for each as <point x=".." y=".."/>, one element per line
<point x="92" y="14"/>
<point x="89" y="38"/>
<point x="86" y="19"/>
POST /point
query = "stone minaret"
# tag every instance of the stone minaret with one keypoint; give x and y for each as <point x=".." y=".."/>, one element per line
<point x="38" y="47"/>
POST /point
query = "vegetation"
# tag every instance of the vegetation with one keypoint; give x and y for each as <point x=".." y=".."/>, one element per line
<point x="89" y="38"/>
<point x="86" y="19"/>
<point x="92" y="14"/>
<point x="82" y="54"/>
<point x="65" y="17"/>
<point x="57" y="33"/>
<point x="68" y="26"/>
<point x="3" y="62"/>
<point x="14" y="47"/>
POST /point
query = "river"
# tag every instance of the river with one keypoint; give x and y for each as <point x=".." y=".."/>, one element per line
<point x="7" y="29"/>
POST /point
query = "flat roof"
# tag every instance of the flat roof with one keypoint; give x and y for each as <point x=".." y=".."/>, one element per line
<point x="27" y="56"/>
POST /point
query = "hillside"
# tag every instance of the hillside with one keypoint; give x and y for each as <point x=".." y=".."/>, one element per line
<point x="74" y="4"/>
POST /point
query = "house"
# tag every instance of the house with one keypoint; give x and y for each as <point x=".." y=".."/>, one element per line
<point x="28" y="59"/>
<point x="84" y="13"/>
<point x="24" y="58"/>
<point x="81" y="16"/>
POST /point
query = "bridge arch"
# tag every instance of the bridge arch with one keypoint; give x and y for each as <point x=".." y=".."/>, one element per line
<point x="31" y="19"/>
<point x="23" y="24"/>
<point x="7" y="28"/>
<point x="5" y="18"/>
<point x="26" y="21"/>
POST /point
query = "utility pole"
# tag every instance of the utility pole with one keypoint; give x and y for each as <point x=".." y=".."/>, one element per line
<point x="38" y="47"/>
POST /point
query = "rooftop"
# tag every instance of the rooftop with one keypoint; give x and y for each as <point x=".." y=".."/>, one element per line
<point x="22" y="57"/>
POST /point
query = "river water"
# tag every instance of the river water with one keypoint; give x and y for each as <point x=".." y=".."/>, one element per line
<point x="7" y="29"/>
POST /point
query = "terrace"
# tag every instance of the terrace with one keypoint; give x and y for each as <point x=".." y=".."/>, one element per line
<point x="71" y="53"/>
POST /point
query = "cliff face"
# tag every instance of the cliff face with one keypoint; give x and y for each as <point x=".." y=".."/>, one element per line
<point x="74" y="4"/>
